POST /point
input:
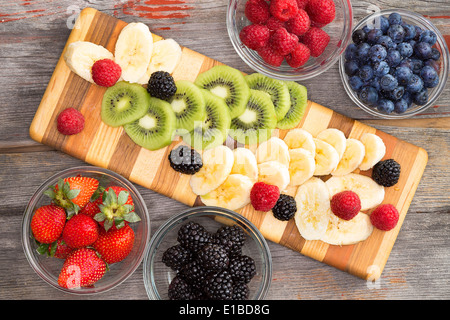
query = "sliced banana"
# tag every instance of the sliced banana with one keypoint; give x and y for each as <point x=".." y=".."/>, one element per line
<point x="273" y="149"/>
<point x="233" y="194"/>
<point x="345" y="232"/>
<point x="245" y="163"/>
<point x="274" y="173"/>
<point x="217" y="165"/>
<point x="165" y="57"/>
<point x="335" y="137"/>
<point x="375" y="150"/>
<point x="300" y="138"/>
<point x="133" y="51"/>
<point x="351" y="159"/>
<point x="370" y="193"/>
<point x="301" y="166"/>
<point x="81" y="55"/>
<point x="313" y="209"/>
<point x="326" y="157"/>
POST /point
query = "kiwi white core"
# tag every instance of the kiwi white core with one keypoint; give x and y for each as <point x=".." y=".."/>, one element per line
<point x="147" y="122"/>
<point x="178" y="105"/>
<point x="248" y="116"/>
<point x="220" y="91"/>
<point x="123" y="104"/>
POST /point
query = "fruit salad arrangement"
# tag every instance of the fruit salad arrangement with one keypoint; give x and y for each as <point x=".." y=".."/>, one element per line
<point x="85" y="225"/>
<point x="391" y="64"/>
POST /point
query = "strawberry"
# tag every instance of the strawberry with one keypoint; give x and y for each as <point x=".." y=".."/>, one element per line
<point x="80" y="231"/>
<point x="82" y="268"/>
<point x="47" y="223"/>
<point x="92" y="207"/>
<point x="115" y="245"/>
<point x="59" y="249"/>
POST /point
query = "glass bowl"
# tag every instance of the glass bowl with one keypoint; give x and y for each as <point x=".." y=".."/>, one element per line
<point x="157" y="276"/>
<point x="339" y="29"/>
<point x="433" y="93"/>
<point x="48" y="268"/>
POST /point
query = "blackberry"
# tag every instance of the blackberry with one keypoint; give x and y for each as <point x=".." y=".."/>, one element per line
<point x="219" y="286"/>
<point x="240" y="291"/>
<point x="176" y="256"/>
<point x="179" y="289"/>
<point x="285" y="208"/>
<point x="232" y="237"/>
<point x="194" y="274"/>
<point x="185" y="160"/>
<point x="386" y="172"/>
<point x="193" y="236"/>
<point x="161" y="85"/>
<point x="213" y="257"/>
<point x="242" y="269"/>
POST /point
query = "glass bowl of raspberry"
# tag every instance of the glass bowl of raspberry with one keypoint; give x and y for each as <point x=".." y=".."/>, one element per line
<point x="396" y="65"/>
<point x="207" y="253"/>
<point x="64" y="263"/>
<point x="289" y="39"/>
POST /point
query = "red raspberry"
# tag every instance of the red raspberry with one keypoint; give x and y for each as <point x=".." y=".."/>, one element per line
<point x="273" y="24"/>
<point x="70" y="121"/>
<point x="321" y="12"/>
<point x="270" y="56"/>
<point x="264" y="196"/>
<point x="384" y="217"/>
<point x="106" y="72"/>
<point x="316" y="40"/>
<point x="283" y="9"/>
<point x="346" y="204"/>
<point x="282" y="41"/>
<point x="299" y="24"/>
<point x="299" y="56"/>
<point x="255" y="36"/>
<point x="301" y="4"/>
<point x="257" y="11"/>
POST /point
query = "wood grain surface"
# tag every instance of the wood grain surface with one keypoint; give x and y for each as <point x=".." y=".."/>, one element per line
<point x="32" y="36"/>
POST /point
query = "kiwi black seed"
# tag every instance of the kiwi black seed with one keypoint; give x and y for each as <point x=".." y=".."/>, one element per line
<point x="257" y="122"/>
<point x="123" y="103"/>
<point x="227" y="83"/>
<point x="155" y="129"/>
<point x="277" y="90"/>
<point x="299" y="101"/>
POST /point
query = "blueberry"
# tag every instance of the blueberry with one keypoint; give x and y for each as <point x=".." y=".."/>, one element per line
<point x="388" y="82"/>
<point x="393" y="58"/>
<point x="428" y="36"/>
<point x="400" y="106"/>
<point x="416" y="65"/>
<point x="373" y="35"/>
<point x="432" y="63"/>
<point x="405" y="49"/>
<point x="428" y="74"/>
<point x="422" y="50"/>
<point x="362" y="51"/>
<point x="375" y="83"/>
<point x="355" y="83"/>
<point x="419" y="31"/>
<point x="420" y="98"/>
<point x="403" y="75"/>
<point x="407" y="62"/>
<point x="350" y="52"/>
<point x="396" y="32"/>
<point x="410" y="31"/>
<point x="377" y="53"/>
<point x="383" y="23"/>
<point x="412" y="43"/>
<point x="369" y="95"/>
<point x="395" y="18"/>
<point x="431" y="84"/>
<point x="387" y="42"/>
<point x="435" y="54"/>
<point x="415" y="84"/>
<point x="359" y="36"/>
<point x="366" y="73"/>
<point x="408" y="98"/>
<point x="385" y="105"/>
<point x="397" y="93"/>
<point x="380" y="68"/>
<point x="367" y="28"/>
<point x="351" y="67"/>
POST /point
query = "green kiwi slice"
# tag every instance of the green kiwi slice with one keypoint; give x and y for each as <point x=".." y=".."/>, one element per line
<point x="155" y="129"/>
<point x="227" y="83"/>
<point x="188" y="105"/>
<point x="257" y="122"/>
<point x="299" y="101"/>
<point x="277" y="90"/>
<point x="213" y="130"/>
<point x="123" y="103"/>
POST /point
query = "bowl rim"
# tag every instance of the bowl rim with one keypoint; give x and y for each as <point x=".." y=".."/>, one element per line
<point x="28" y="212"/>
<point x="280" y="75"/>
<point x="437" y="91"/>
<point x="158" y="237"/>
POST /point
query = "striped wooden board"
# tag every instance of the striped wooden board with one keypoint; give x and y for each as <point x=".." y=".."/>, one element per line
<point x="104" y="146"/>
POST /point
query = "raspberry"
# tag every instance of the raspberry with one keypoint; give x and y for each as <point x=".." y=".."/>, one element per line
<point x="299" y="24"/>
<point x="346" y="204"/>
<point x="274" y="24"/>
<point x="282" y="41"/>
<point x="283" y="9"/>
<point x="316" y="40"/>
<point x="264" y="196"/>
<point x="299" y="56"/>
<point x="270" y="56"/>
<point x="321" y="12"/>
<point x="301" y="4"/>
<point x="255" y="36"/>
<point x="257" y="11"/>
<point x="384" y="217"/>
<point x="106" y="72"/>
<point x="70" y="121"/>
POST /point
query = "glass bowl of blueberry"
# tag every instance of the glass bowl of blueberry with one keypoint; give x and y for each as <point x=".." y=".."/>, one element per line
<point x="396" y="65"/>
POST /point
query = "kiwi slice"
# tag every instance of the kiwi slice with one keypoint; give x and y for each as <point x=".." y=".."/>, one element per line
<point x="257" y="122"/>
<point x="155" y="129"/>
<point x="277" y="90"/>
<point x="299" y="101"/>
<point x="123" y="103"/>
<point x="188" y="105"/>
<point x="227" y="83"/>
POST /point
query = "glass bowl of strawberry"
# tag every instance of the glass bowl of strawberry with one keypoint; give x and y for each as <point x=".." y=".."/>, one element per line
<point x="207" y="253"/>
<point x="289" y="39"/>
<point x="85" y="230"/>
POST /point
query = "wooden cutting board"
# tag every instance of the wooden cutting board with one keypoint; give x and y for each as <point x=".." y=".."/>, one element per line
<point x="107" y="147"/>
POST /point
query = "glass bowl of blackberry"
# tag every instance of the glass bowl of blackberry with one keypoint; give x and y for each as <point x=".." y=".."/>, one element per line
<point x="397" y="64"/>
<point x="207" y="253"/>
<point x="289" y="39"/>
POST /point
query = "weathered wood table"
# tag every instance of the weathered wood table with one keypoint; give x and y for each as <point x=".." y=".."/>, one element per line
<point x="32" y="36"/>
